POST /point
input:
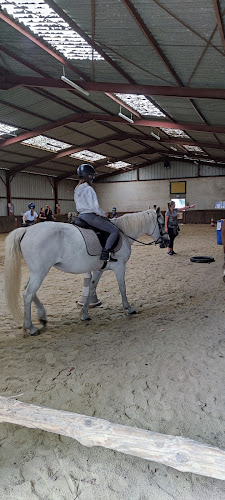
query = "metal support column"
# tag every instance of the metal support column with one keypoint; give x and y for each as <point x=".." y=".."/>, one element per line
<point x="56" y="184"/>
<point x="8" y="192"/>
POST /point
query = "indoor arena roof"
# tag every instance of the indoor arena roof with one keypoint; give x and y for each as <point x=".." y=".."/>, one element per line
<point x="143" y="82"/>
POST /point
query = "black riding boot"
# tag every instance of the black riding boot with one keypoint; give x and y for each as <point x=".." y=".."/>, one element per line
<point x="104" y="254"/>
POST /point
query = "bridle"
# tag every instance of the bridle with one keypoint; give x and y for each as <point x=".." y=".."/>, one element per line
<point x="156" y="242"/>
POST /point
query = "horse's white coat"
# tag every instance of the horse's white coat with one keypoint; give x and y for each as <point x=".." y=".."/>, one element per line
<point x="62" y="246"/>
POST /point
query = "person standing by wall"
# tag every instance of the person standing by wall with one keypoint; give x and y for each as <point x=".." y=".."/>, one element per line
<point x="171" y="224"/>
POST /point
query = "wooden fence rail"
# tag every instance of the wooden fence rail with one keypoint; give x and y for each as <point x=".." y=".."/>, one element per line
<point x="180" y="453"/>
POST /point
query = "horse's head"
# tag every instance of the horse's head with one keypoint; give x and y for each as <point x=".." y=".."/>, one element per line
<point x="159" y="233"/>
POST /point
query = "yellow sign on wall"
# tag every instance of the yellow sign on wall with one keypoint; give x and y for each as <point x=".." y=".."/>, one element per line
<point x="178" y="187"/>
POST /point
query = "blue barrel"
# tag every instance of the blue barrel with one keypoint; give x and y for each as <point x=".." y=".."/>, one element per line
<point x="219" y="226"/>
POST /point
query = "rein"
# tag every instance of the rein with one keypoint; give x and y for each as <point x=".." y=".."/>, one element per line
<point x="141" y="242"/>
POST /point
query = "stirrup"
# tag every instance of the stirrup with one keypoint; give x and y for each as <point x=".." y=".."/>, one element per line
<point x="112" y="259"/>
<point x="106" y="256"/>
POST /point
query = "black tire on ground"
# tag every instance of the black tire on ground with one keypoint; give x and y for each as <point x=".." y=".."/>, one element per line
<point x="202" y="259"/>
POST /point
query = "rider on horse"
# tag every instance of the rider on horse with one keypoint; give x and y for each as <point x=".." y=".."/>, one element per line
<point x="87" y="205"/>
<point x="30" y="217"/>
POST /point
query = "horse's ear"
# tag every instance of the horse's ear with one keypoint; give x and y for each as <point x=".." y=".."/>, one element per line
<point x="158" y="211"/>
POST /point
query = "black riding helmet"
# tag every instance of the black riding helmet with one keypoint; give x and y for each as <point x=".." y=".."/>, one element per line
<point x="86" y="171"/>
<point x="31" y="206"/>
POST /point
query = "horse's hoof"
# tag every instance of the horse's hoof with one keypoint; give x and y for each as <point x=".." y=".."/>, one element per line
<point x="35" y="334"/>
<point x="44" y="322"/>
<point x="133" y="312"/>
<point x="86" y="319"/>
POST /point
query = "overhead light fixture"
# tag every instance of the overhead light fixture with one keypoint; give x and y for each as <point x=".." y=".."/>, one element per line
<point x="155" y="135"/>
<point x="72" y="84"/>
<point x="125" y="117"/>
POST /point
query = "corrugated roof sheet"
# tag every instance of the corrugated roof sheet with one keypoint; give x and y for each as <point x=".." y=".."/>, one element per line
<point x="180" y="30"/>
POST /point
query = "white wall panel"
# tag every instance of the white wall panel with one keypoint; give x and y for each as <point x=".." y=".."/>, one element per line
<point x="40" y="190"/>
<point x="211" y="170"/>
<point x="66" y="189"/>
<point x="125" y="176"/>
<point x="133" y="196"/>
<point x="153" y="172"/>
<point x="178" y="170"/>
<point x="67" y="206"/>
<point x="66" y="196"/>
<point x="137" y="196"/>
<point x="32" y="186"/>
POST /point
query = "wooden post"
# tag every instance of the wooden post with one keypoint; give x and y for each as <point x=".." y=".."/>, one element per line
<point x="56" y="183"/>
<point x="180" y="453"/>
<point x="8" y="191"/>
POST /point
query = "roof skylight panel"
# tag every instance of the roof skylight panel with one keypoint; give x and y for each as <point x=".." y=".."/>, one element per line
<point x="141" y="104"/>
<point x="119" y="164"/>
<point x="7" y="129"/>
<point x="88" y="155"/>
<point x="46" y="143"/>
<point x="174" y="132"/>
<point x="45" y="22"/>
<point x="193" y="148"/>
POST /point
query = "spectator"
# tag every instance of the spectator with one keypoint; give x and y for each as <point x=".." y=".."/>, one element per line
<point x="41" y="216"/>
<point x="58" y="208"/>
<point x="48" y="214"/>
<point x="114" y="213"/>
<point x="171" y="224"/>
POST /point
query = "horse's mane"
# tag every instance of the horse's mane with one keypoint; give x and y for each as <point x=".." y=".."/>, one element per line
<point x="134" y="221"/>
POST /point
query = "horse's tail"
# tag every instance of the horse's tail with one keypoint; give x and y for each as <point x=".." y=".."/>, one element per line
<point x="12" y="271"/>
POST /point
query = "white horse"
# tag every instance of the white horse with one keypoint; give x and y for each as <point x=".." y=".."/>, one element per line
<point x="62" y="246"/>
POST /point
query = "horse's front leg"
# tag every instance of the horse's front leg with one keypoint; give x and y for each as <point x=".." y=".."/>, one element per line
<point x="94" y="281"/>
<point x="120" y="276"/>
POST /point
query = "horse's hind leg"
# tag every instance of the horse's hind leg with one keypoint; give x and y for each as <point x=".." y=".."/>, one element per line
<point x="94" y="281"/>
<point x="41" y="311"/>
<point x="29" y="295"/>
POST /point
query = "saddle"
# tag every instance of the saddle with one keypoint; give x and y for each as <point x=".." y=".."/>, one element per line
<point x="94" y="238"/>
